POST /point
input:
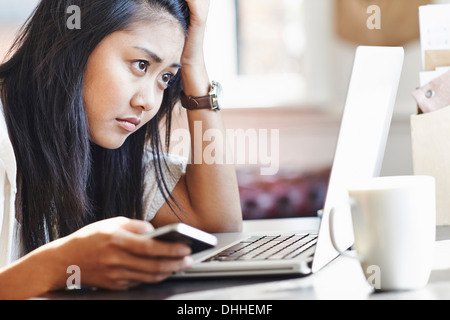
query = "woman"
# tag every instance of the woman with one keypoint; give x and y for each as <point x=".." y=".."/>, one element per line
<point x="80" y="147"/>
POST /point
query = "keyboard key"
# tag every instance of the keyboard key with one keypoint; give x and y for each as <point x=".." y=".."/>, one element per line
<point x="269" y="247"/>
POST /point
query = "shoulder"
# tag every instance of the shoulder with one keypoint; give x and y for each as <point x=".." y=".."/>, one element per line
<point x="169" y="162"/>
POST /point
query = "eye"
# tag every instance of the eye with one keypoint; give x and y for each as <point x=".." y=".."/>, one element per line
<point x="166" y="78"/>
<point x="141" y="65"/>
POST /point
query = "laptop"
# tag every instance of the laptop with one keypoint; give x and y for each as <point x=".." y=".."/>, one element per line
<point x="359" y="153"/>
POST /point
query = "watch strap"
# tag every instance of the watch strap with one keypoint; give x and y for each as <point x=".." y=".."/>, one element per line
<point x="196" y="103"/>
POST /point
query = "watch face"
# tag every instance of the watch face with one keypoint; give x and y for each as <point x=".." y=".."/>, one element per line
<point x="216" y="95"/>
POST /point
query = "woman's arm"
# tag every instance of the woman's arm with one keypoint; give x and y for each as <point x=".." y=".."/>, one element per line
<point x="110" y="254"/>
<point x="208" y="193"/>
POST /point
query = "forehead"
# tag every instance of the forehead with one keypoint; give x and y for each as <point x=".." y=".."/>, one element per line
<point x="164" y="36"/>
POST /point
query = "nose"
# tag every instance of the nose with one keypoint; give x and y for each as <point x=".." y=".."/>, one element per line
<point x="144" y="99"/>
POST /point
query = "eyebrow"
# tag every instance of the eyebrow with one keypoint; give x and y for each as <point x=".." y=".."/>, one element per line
<point x="156" y="58"/>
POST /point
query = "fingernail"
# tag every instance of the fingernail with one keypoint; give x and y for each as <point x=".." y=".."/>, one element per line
<point x="186" y="251"/>
<point x="188" y="262"/>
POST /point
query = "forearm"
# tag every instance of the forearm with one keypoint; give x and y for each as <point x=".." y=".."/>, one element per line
<point x="211" y="182"/>
<point x="31" y="276"/>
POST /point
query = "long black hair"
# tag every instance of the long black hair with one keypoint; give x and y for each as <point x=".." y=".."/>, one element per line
<point x="64" y="180"/>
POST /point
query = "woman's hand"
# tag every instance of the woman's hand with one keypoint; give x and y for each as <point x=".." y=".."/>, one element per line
<point x="114" y="254"/>
<point x="199" y="12"/>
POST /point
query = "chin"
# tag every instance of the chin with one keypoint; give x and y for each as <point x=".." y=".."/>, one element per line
<point x="111" y="144"/>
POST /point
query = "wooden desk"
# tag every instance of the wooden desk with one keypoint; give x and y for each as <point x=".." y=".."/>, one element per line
<point x="341" y="279"/>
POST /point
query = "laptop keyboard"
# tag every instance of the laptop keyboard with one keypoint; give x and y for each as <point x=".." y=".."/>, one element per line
<point x="271" y="247"/>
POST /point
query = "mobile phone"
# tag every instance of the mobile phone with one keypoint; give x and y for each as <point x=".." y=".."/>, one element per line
<point x="196" y="239"/>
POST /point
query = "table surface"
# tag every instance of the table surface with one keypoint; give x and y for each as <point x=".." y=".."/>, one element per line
<point x="341" y="279"/>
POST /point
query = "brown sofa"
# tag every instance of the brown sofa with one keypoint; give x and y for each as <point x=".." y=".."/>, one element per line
<point x="287" y="194"/>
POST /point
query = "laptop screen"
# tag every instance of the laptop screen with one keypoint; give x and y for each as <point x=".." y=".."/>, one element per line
<point x="362" y="139"/>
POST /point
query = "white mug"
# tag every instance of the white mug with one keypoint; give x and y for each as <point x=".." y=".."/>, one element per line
<point x="394" y="225"/>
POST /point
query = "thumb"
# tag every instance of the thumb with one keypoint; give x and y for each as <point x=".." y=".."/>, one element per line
<point x="137" y="226"/>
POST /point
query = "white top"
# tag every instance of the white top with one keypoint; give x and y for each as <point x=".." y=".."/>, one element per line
<point x="8" y="190"/>
<point x="10" y="243"/>
<point x="153" y="199"/>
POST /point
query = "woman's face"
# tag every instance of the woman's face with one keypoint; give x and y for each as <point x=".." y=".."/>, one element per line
<point x="126" y="76"/>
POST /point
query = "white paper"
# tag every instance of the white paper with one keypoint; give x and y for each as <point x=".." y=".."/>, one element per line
<point x="430" y="134"/>
<point x="434" y="28"/>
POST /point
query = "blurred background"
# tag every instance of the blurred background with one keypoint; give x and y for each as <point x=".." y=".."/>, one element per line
<point x="285" y="65"/>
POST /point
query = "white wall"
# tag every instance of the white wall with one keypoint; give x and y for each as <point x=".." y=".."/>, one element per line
<point x="329" y="66"/>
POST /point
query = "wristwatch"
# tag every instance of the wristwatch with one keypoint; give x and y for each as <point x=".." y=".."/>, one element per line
<point x="210" y="101"/>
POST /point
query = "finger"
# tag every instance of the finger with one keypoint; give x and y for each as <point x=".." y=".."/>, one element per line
<point x="154" y="266"/>
<point x="198" y="10"/>
<point x="143" y="278"/>
<point x="147" y="247"/>
<point x="124" y="284"/>
<point x="168" y="249"/>
<point x="137" y="270"/>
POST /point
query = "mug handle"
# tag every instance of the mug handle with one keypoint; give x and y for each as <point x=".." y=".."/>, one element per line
<point x="343" y="252"/>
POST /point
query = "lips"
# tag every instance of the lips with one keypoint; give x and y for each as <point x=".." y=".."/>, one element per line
<point x="129" y="124"/>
